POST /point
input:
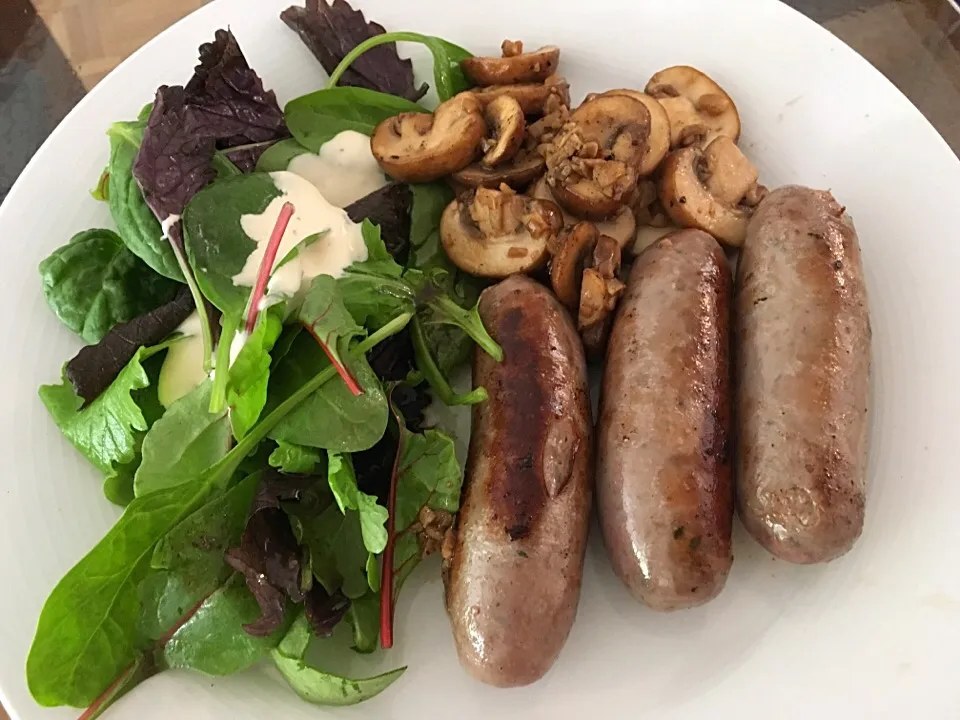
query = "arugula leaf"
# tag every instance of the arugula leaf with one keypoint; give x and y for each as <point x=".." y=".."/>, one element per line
<point x="105" y="430"/>
<point x="434" y="374"/>
<point x="448" y="78"/>
<point x="137" y="224"/>
<point x="94" y="282"/>
<point x="250" y="373"/>
<point x="442" y="310"/>
<point x="183" y="443"/>
<point x="213" y="642"/>
<point x="88" y="628"/>
<point x="278" y="156"/>
<point x="315" y="118"/>
<point x="331" y="418"/>
<point x="373" y="517"/>
<point x="316" y="686"/>
<point x="364" y="619"/>
<point x="217" y="247"/>
<point x="294" y="459"/>
<point x="331" y="30"/>
<point x="300" y="247"/>
<point x="95" y="367"/>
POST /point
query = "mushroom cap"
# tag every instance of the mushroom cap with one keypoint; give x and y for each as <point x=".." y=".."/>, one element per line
<point x="619" y="124"/>
<point x="530" y="67"/>
<point x="567" y="265"/>
<point x="518" y="173"/>
<point x="508" y="127"/>
<point x="598" y="196"/>
<point x="621" y="226"/>
<point x="532" y="97"/>
<point x="421" y="147"/>
<point x="496" y="233"/>
<point x="698" y="108"/>
<point x="729" y="174"/>
<point x="689" y="203"/>
<point x="658" y="141"/>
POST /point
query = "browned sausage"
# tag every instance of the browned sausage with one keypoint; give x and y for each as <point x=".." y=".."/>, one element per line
<point x="664" y="487"/>
<point x="514" y="581"/>
<point x="802" y="369"/>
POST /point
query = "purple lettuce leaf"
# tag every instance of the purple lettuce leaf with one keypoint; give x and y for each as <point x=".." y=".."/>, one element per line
<point x="331" y="30"/>
<point x="323" y="610"/>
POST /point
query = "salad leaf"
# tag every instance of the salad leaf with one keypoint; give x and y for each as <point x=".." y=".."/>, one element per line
<point x="105" y="430"/>
<point x="364" y="619"/>
<point x="94" y="283"/>
<point x="138" y="226"/>
<point x="447" y="75"/>
<point x="323" y="610"/>
<point x="326" y="318"/>
<point x="250" y="373"/>
<point x="213" y="642"/>
<point x="278" y="156"/>
<point x="94" y="368"/>
<point x="331" y="418"/>
<point x="295" y="459"/>
<point x="331" y="30"/>
<point x="216" y="245"/>
<point x="373" y="517"/>
<point x="101" y="193"/>
<point x="434" y="374"/>
<point x="315" y="118"/>
<point x="389" y="210"/>
<point x="183" y="443"/>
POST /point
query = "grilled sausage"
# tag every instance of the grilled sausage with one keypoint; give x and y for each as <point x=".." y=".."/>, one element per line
<point x="513" y="583"/>
<point x="802" y="370"/>
<point x="664" y="487"/>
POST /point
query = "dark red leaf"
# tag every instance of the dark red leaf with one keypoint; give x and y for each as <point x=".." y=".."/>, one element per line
<point x="389" y="209"/>
<point x="324" y="611"/>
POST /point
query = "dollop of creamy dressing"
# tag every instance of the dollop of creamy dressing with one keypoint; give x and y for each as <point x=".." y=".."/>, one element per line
<point x="182" y="369"/>
<point x="341" y="245"/>
<point x="344" y="170"/>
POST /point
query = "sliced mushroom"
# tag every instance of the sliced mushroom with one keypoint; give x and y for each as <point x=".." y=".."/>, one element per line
<point x="421" y="147"/>
<point x="658" y="142"/>
<point x="567" y="265"/>
<point x="517" y="174"/>
<point x="598" y="300"/>
<point x="507" y="126"/>
<point x="514" y="67"/>
<point x="591" y="163"/>
<point x="533" y="97"/>
<point x="705" y="189"/>
<point x="698" y="108"/>
<point x="606" y="257"/>
<point x="496" y="233"/>
<point x="621" y="227"/>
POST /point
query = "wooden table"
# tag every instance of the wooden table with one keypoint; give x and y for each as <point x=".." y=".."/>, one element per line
<point x="72" y="44"/>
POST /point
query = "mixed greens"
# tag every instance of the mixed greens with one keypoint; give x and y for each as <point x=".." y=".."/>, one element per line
<point x="291" y="485"/>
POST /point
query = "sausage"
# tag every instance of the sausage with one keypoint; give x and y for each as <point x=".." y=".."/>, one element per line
<point x="664" y="486"/>
<point x="513" y="583"/>
<point x="802" y="374"/>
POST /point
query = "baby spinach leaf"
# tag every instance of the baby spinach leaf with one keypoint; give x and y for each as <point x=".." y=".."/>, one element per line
<point x="447" y="75"/>
<point x="94" y="368"/>
<point x="331" y="418"/>
<point x="216" y="245"/>
<point x="315" y="118"/>
<point x="321" y="688"/>
<point x="94" y="283"/>
<point x="136" y="222"/>
<point x="330" y="31"/>
<point x="183" y="443"/>
<point x="279" y="155"/>
<point x="250" y="373"/>
<point x="213" y="642"/>
<point x="373" y="517"/>
<point x="295" y="459"/>
<point x="88" y="630"/>
<point x="364" y="619"/>
<point x="187" y="564"/>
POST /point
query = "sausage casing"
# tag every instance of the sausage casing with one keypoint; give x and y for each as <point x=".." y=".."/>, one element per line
<point x="664" y="486"/>
<point x="802" y="374"/>
<point x="513" y="583"/>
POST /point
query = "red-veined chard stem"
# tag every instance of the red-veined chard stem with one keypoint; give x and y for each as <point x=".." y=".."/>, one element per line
<point x="386" y="572"/>
<point x="342" y="370"/>
<point x="266" y="265"/>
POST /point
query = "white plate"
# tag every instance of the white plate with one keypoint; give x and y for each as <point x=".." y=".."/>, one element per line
<point x="875" y="634"/>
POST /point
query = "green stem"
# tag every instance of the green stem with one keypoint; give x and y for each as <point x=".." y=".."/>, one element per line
<point x="373" y="42"/>
<point x="469" y="322"/>
<point x="434" y="376"/>
<point x="199" y="301"/>
<point x="218" y="394"/>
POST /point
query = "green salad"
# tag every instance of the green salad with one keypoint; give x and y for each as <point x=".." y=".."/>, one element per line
<point x="253" y="387"/>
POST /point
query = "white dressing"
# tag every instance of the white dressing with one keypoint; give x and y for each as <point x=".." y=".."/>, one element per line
<point x="344" y="170"/>
<point x="167" y="223"/>
<point x="182" y="369"/>
<point x="340" y="247"/>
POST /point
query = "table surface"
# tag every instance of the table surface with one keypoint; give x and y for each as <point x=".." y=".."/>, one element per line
<point x="53" y="51"/>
